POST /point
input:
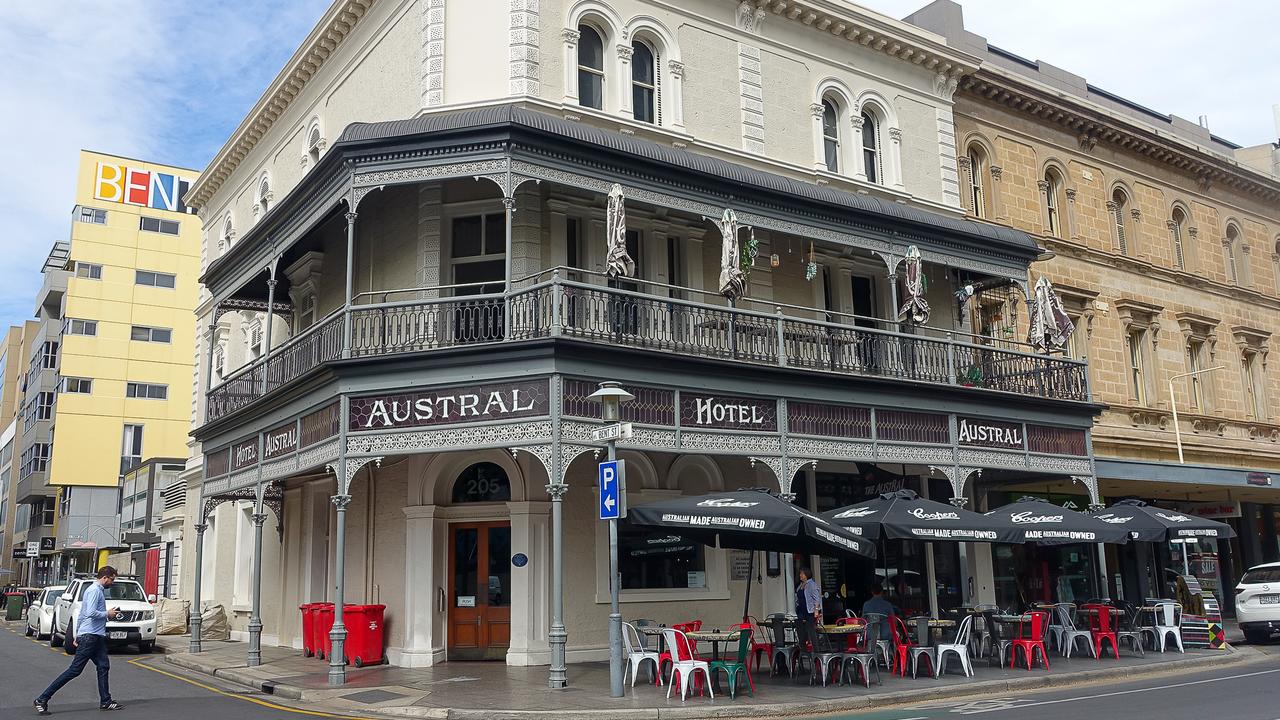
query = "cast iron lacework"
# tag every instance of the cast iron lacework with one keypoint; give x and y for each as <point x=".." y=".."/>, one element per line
<point x="429" y="172"/>
<point x="1060" y="464"/>
<point x="915" y="453"/>
<point x="272" y="499"/>
<point x="280" y="468"/>
<point x="442" y="440"/>
<point x="832" y="449"/>
<point x="545" y="453"/>
<point x="731" y="443"/>
<point x="318" y="455"/>
<point x="991" y="458"/>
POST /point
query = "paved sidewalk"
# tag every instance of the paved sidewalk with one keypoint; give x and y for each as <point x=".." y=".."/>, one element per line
<point x="492" y="690"/>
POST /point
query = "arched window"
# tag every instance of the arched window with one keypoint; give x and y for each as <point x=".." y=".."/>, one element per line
<point x="1275" y="265"/>
<point x="1229" y="249"/>
<point x="482" y="482"/>
<point x="1119" y="206"/>
<point x="314" y="144"/>
<point x="644" y="82"/>
<point x="264" y="196"/>
<point x="228" y="236"/>
<point x="1053" y="202"/>
<point x="871" y="148"/>
<point x="831" y="135"/>
<point x="1177" y="226"/>
<point x="977" y="179"/>
<point x="590" y="68"/>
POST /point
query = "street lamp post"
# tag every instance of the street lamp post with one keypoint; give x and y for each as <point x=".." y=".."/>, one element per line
<point x="1173" y="403"/>
<point x="611" y="396"/>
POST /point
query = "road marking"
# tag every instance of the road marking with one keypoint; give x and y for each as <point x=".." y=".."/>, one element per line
<point x="146" y="666"/>
<point x="1124" y="692"/>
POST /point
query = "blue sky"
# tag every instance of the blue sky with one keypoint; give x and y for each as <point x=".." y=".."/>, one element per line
<point x="169" y="80"/>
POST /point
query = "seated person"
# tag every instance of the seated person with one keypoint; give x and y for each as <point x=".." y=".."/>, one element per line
<point x="878" y="604"/>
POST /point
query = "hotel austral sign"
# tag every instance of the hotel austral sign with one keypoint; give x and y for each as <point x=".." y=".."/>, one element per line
<point x="728" y="413"/>
<point x="979" y="432"/>
<point x="280" y="441"/>
<point x="244" y="454"/>
<point x="453" y="405"/>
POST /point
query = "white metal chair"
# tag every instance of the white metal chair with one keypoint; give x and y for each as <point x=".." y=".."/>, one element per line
<point x="684" y="668"/>
<point x="637" y="655"/>
<point x="959" y="647"/>
<point x="1169" y="622"/>
<point x="1069" y="633"/>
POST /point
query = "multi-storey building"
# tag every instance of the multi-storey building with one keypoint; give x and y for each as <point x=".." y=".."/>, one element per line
<point x="1167" y="255"/>
<point x="110" y="364"/>
<point x="432" y="237"/>
<point x="13" y="354"/>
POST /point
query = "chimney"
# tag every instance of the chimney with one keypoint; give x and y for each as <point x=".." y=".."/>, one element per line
<point x="1204" y="121"/>
<point x="1275" y="112"/>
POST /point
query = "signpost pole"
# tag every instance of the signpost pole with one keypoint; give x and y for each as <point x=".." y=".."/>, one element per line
<point x="613" y="505"/>
<point x="615" y="615"/>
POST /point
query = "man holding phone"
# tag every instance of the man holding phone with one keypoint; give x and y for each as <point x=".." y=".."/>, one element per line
<point x="90" y="642"/>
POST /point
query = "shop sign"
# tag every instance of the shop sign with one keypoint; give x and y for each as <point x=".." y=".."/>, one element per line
<point x="1257" y="478"/>
<point x="244" y="454"/>
<point x="728" y="413"/>
<point x="976" y="432"/>
<point x="47" y="544"/>
<point x="144" y="188"/>
<point x="281" y="441"/>
<point x="19" y="552"/>
<point x="454" y="405"/>
<point x="1211" y="510"/>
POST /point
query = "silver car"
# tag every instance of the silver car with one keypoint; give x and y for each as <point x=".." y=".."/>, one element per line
<point x="40" y="612"/>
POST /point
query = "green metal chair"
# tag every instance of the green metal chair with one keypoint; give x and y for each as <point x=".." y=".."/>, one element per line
<point x="732" y="668"/>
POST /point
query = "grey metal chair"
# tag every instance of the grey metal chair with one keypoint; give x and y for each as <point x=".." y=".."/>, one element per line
<point x="1129" y="631"/>
<point x="883" y="644"/>
<point x="929" y="651"/>
<point x="825" y="660"/>
<point x="866" y="660"/>
<point x="1069" y="632"/>
<point x="788" y="652"/>
<point x="997" y="645"/>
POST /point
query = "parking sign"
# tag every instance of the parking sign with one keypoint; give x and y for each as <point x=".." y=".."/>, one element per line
<point x="613" y="498"/>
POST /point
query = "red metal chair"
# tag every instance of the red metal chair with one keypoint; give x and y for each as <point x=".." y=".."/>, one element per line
<point x="759" y="642"/>
<point x="902" y="644"/>
<point x="1103" y="621"/>
<point x="1033" y="640"/>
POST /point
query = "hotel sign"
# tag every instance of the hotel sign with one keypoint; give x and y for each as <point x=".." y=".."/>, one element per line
<point x="977" y="432"/>
<point x="244" y="454"/>
<point x="281" y="441"/>
<point x="728" y="413"/>
<point x="453" y="405"/>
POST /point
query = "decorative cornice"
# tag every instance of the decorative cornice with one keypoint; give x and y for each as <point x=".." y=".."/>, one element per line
<point x="319" y="46"/>
<point x="1093" y="124"/>
<point x="906" y="43"/>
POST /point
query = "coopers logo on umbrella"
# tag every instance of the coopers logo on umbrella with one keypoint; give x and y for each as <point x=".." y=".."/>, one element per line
<point x="726" y="503"/>
<point x="1113" y="519"/>
<point x="1173" y="518"/>
<point x="858" y="512"/>
<point x="1030" y="518"/>
<point x="922" y="514"/>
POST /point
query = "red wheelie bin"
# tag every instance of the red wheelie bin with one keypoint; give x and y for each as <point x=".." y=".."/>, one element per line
<point x="364" y="634"/>
<point x="308" y="629"/>
<point x="323" y="624"/>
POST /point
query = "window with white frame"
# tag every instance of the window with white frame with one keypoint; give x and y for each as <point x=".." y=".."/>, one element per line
<point x="1254" y="389"/>
<point x="142" y="333"/>
<point x="1196" y="354"/>
<point x="1230" y="251"/>
<point x="264" y="197"/>
<point x="315" y="143"/>
<point x="93" y="216"/>
<point x="155" y="279"/>
<point x="146" y="391"/>
<point x="75" y="326"/>
<point x="871" y="148"/>
<point x="655" y="559"/>
<point x="158" y="225"/>
<point x="1053" y="201"/>
<point x="977" y="179"/>
<point x="1137" y="355"/>
<point x="49" y="355"/>
<point x="1177" y="227"/>
<point x="76" y="385"/>
<point x="831" y="134"/>
<point x="228" y="236"/>
<point x="88" y="271"/>
<point x="131" y="448"/>
<point x="645" y="79"/>
<point x="590" y="67"/>
<point x="1118" y="207"/>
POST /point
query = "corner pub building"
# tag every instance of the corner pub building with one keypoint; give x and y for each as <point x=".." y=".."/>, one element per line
<point x="404" y="323"/>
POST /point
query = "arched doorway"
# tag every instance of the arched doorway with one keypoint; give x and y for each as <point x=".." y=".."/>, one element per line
<point x="480" y="569"/>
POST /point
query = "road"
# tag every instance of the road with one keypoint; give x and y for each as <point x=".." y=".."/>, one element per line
<point x="149" y="689"/>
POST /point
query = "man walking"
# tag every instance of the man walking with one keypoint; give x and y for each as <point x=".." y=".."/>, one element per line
<point x="90" y="641"/>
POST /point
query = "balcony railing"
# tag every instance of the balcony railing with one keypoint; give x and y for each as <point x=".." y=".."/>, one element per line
<point x="585" y="312"/>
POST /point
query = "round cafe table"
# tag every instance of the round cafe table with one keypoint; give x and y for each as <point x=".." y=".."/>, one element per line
<point x="715" y="638"/>
<point x="654" y="631"/>
<point x="926" y="626"/>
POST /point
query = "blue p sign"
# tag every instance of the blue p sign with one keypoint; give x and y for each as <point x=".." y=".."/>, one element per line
<point x="612" y="500"/>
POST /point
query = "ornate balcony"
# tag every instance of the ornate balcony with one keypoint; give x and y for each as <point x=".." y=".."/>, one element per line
<point x="549" y="305"/>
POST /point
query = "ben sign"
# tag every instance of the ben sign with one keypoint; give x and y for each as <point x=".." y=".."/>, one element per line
<point x="144" y="188"/>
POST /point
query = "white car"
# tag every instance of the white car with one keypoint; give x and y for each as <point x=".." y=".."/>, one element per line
<point x="1258" y="602"/>
<point x="40" y="612"/>
<point x="137" y="627"/>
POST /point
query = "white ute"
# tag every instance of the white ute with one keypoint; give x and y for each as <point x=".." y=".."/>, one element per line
<point x="137" y="627"/>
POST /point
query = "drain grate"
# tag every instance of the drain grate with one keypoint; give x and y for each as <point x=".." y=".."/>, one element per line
<point x="370" y="697"/>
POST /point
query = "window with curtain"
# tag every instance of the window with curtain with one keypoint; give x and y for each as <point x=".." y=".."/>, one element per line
<point x="977" y="172"/>
<point x="831" y="135"/>
<point x="1177" y="222"/>
<point x="644" y="82"/>
<point x="1052" y="208"/>
<point x="1195" y="353"/>
<point x="590" y="68"/>
<point x="1229" y="250"/>
<point x="1137" y="364"/>
<point x="1253" y="392"/>
<point x="871" y="147"/>
<point x="1120" y="206"/>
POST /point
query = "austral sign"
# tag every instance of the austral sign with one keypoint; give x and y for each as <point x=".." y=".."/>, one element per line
<point x="728" y="413"/>
<point x="281" y="441"/>
<point x="977" y="432"/>
<point x="452" y="405"/>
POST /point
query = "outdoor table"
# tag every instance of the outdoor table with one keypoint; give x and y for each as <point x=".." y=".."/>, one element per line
<point x="654" y="631"/>
<point x="715" y="638"/>
<point x="849" y="628"/>
<point x="1094" y="611"/>
<point x="924" y="626"/>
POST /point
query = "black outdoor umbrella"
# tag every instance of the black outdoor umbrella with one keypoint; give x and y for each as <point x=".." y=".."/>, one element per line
<point x="1152" y="524"/>
<point x="904" y="515"/>
<point x="1033" y="520"/>
<point x="749" y="520"/>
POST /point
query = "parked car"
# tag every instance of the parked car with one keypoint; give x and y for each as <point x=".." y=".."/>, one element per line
<point x="137" y="627"/>
<point x="40" y="611"/>
<point x="1258" y="602"/>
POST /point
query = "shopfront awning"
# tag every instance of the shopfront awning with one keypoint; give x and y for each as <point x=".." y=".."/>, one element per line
<point x="1187" y="474"/>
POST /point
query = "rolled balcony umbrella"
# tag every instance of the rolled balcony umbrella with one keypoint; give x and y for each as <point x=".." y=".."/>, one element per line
<point x="916" y="308"/>
<point x="732" y="283"/>
<point x="1153" y="524"/>
<point x="617" y="262"/>
<point x="1033" y="520"/>
<point x="749" y="520"/>
<point x="1050" y="325"/>
<point x="904" y="515"/>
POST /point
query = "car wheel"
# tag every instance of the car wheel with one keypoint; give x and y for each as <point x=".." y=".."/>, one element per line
<point x="53" y="634"/>
<point x="30" y="632"/>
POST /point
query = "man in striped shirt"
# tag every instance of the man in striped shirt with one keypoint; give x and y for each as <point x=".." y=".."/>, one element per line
<point x="90" y="641"/>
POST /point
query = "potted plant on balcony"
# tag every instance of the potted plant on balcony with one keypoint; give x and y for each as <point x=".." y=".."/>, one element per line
<point x="971" y="377"/>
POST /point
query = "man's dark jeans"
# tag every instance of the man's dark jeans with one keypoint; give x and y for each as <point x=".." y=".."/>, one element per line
<point x="90" y="647"/>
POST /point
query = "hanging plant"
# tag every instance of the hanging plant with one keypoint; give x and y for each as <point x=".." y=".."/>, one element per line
<point x="748" y="252"/>
<point x="811" y="270"/>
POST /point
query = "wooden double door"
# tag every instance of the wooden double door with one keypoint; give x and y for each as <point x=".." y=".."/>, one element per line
<point x="479" y="591"/>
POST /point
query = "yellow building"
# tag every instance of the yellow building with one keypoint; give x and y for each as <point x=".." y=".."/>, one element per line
<point x="124" y="361"/>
